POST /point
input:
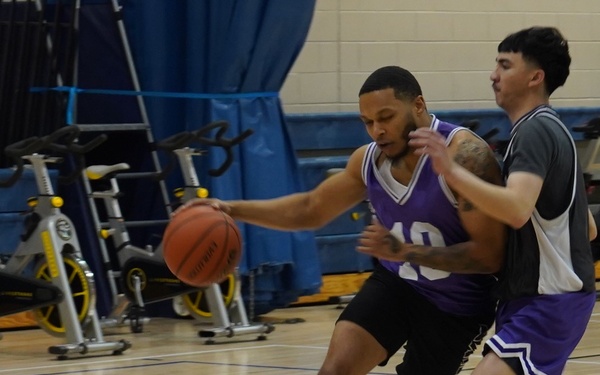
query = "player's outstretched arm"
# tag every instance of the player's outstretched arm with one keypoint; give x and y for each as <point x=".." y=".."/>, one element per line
<point x="301" y="211"/>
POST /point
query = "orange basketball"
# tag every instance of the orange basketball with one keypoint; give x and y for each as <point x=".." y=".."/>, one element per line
<point x="202" y="245"/>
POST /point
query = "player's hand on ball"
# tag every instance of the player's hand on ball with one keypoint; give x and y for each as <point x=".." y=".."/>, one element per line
<point x="202" y="245"/>
<point x="213" y="202"/>
<point x="377" y="241"/>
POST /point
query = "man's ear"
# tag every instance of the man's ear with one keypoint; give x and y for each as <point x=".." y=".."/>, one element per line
<point x="537" y="78"/>
<point x="420" y="105"/>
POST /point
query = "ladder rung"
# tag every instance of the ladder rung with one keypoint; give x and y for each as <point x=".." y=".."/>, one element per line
<point x="139" y="223"/>
<point x="133" y="175"/>
<point x="112" y="127"/>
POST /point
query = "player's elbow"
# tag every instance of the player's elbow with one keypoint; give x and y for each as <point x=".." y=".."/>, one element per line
<point x="312" y="213"/>
<point x="313" y="222"/>
<point x="307" y="217"/>
<point x="518" y="211"/>
<point x="302" y="221"/>
<point x="517" y="223"/>
<point x="518" y="219"/>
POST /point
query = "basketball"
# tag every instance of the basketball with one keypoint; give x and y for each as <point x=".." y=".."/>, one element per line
<point x="202" y="245"/>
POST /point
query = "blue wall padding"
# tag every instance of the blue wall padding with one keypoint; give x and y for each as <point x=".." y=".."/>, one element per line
<point x="345" y="130"/>
<point x="14" y="198"/>
<point x="315" y="169"/>
<point x="13" y="206"/>
<point x="11" y="227"/>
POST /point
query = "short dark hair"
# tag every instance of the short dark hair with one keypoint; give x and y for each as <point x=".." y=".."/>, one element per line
<point x="545" y="47"/>
<point x="405" y="85"/>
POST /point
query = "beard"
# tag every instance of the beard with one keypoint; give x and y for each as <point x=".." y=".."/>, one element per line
<point x="411" y="125"/>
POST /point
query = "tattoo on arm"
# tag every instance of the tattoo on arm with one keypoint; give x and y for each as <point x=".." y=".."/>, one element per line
<point x="477" y="157"/>
<point x="465" y="205"/>
<point x="395" y="245"/>
<point x="454" y="258"/>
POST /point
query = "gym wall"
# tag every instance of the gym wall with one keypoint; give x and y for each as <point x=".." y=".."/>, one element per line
<point x="450" y="46"/>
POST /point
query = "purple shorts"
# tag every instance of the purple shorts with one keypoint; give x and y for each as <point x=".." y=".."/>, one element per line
<point x="536" y="335"/>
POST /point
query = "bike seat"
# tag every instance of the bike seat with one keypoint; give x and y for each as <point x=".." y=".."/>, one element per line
<point x="98" y="172"/>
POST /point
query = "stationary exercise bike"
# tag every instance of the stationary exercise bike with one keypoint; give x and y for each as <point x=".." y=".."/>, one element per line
<point x="60" y="286"/>
<point x="144" y="276"/>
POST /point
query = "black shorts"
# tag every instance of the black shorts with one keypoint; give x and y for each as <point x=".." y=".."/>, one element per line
<point x="437" y="343"/>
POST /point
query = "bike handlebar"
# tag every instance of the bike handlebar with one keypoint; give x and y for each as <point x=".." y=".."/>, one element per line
<point x="175" y="141"/>
<point x="185" y="138"/>
<point x="15" y="151"/>
<point x="225" y="143"/>
<point x="61" y="141"/>
<point x="77" y="150"/>
<point x="169" y="145"/>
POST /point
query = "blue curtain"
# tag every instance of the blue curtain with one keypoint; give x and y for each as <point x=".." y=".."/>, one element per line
<point x="233" y="47"/>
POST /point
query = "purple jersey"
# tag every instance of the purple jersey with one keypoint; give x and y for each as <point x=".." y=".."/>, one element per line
<point x="425" y="212"/>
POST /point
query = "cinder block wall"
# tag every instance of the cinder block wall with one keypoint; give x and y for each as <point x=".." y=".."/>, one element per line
<point x="449" y="45"/>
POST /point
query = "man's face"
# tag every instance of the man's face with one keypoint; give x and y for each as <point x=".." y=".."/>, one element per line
<point x="388" y="121"/>
<point x="511" y="79"/>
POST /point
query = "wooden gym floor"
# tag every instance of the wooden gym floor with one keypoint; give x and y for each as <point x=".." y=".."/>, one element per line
<point x="172" y="346"/>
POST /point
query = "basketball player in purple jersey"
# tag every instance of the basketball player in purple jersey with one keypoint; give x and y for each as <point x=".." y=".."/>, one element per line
<point x="547" y="285"/>
<point x="438" y="305"/>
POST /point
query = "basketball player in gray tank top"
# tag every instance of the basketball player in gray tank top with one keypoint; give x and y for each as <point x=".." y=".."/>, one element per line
<point x="548" y="280"/>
